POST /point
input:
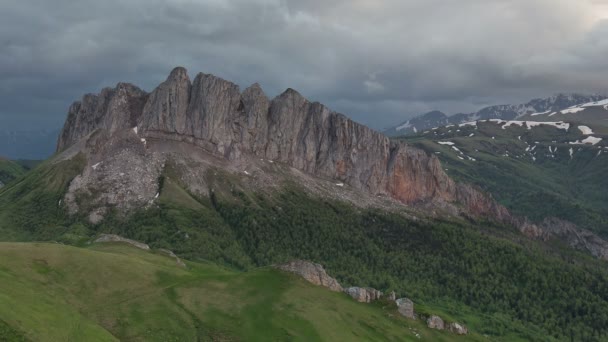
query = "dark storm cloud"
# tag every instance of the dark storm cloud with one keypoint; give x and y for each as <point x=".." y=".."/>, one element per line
<point x="377" y="61"/>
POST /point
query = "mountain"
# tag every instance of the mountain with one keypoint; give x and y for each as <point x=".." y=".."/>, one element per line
<point x="245" y="130"/>
<point x="534" y="110"/>
<point x="535" y="169"/>
<point x="28" y="144"/>
<point x="234" y="181"/>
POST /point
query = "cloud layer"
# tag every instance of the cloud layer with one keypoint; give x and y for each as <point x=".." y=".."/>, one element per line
<point x="377" y="61"/>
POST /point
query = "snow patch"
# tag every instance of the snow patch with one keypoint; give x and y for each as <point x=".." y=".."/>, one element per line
<point x="541" y="113"/>
<point x="587" y="140"/>
<point x="135" y="129"/>
<point x="603" y="102"/>
<point x="339" y="184"/>
<point x="470" y="123"/>
<point x="445" y="143"/>
<point x="585" y="130"/>
<point x="572" y="110"/>
<point x="96" y="165"/>
<point x="404" y="126"/>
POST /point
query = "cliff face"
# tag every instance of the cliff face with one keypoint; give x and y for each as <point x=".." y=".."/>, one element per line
<point x="214" y="115"/>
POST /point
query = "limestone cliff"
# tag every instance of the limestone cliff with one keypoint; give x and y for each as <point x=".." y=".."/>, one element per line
<point x="212" y="114"/>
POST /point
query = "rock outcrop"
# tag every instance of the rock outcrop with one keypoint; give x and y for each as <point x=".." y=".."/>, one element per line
<point x="580" y="239"/>
<point x="457" y="328"/>
<point x="212" y="114"/>
<point x="363" y="294"/>
<point x="435" y="322"/>
<point x="117" y="238"/>
<point x="313" y="273"/>
<point x="392" y="296"/>
<point x="405" y="307"/>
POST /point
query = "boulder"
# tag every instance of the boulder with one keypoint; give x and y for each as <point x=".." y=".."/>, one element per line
<point x="405" y="307"/>
<point x="313" y="273"/>
<point x="435" y="322"/>
<point x="363" y="294"/>
<point x="457" y="328"/>
<point x="392" y="296"/>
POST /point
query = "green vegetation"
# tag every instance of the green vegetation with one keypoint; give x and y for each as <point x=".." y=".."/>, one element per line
<point x="10" y="170"/>
<point x="113" y="292"/>
<point x="31" y="207"/>
<point x="488" y="277"/>
<point x="535" y="182"/>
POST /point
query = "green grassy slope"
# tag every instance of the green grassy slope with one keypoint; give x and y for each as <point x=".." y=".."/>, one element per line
<point x="516" y="166"/>
<point x="10" y="170"/>
<point x="115" y="292"/>
<point x="31" y="207"/>
<point x="485" y="276"/>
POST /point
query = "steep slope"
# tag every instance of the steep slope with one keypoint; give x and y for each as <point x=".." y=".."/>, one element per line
<point x="132" y="134"/>
<point x="570" y="105"/>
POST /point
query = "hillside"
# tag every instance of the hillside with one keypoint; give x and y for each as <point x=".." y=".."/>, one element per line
<point x="536" y="170"/>
<point x="111" y="292"/>
<point x="448" y="267"/>
<point x="9" y="170"/>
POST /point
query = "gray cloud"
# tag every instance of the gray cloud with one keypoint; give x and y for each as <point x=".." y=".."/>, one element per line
<point x="377" y="61"/>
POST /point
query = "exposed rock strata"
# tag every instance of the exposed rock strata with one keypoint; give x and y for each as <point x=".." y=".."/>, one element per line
<point x="313" y="273"/>
<point x="213" y="114"/>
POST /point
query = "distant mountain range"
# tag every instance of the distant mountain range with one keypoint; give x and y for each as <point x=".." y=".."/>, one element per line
<point x="534" y="110"/>
<point x="28" y="144"/>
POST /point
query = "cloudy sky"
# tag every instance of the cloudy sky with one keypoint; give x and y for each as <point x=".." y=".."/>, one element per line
<point x="379" y="62"/>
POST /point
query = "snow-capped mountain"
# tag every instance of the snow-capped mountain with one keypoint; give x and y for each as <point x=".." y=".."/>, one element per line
<point x="534" y="110"/>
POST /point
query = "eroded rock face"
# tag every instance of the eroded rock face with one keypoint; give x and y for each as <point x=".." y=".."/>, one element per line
<point x="435" y="322"/>
<point x="363" y="294"/>
<point x="457" y="328"/>
<point x="213" y="114"/>
<point x="405" y="307"/>
<point x="581" y="239"/>
<point x="111" y="110"/>
<point x="313" y="273"/>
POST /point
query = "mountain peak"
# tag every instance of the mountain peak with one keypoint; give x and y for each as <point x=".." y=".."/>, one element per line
<point x="212" y="117"/>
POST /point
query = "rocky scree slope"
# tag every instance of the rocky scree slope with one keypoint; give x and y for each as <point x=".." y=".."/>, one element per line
<point x="118" y="128"/>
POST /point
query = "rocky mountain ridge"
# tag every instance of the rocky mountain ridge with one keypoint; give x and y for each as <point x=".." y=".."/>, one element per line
<point x="531" y="109"/>
<point x="117" y="127"/>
